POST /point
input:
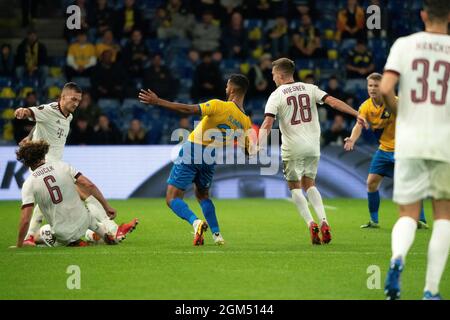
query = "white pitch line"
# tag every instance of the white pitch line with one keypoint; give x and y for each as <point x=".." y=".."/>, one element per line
<point x="325" y="206"/>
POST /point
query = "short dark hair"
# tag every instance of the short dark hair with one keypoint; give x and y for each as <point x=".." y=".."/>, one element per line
<point x="240" y="82"/>
<point x="72" y="86"/>
<point x="32" y="152"/>
<point x="437" y="9"/>
<point x="284" y="65"/>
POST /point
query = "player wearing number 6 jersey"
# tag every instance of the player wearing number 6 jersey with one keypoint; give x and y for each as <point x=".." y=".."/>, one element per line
<point x="294" y="104"/>
<point x="420" y="63"/>
<point x="51" y="185"/>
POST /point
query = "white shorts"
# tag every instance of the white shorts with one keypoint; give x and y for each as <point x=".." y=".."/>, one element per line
<point x="417" y="179"/>
<point x="295" y="169"/>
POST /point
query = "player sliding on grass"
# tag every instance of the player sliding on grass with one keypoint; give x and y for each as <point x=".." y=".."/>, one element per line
<point x="382" y="122"/>
<point x="294" y="103"/>
<point x="191" y="165"/>
<point x="53" y="125"/>
<point x="51" y="185"/>
<point x="420" y="63"/>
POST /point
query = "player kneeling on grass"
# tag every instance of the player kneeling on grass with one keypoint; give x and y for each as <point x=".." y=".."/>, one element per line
<point x="52" y="186"/>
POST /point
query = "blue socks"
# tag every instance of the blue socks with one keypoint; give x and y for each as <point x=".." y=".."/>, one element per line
<point x="374" y="205"/>
<point x="182" y="210"/>
<point x="210" y="215"/>
<point x="422" y="215"/>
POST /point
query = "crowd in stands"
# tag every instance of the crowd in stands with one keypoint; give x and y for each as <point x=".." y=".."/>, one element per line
<point x="185" y="50"/>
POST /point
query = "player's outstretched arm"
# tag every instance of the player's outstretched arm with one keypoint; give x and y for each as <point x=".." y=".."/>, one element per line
<point x="90" y="188"/>
<point x="350" y="141"/>
<point x="387" y="89"/>
<point x="24" y="224"/>
<point x="149" y="97"/>
<point x="264" y="131"/>
<point x="343" y="107"/>
<point x="23" y="113"/>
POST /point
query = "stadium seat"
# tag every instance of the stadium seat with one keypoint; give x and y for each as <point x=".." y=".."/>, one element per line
<point x="5" y="82"/>
<point x="83" y="82"/>
<point x="53" y="92"/>
<point x="7" y="93"/>
<point x="6" y="103"/>
<point x="109" y="104"/>
<point x="24" y="91"/>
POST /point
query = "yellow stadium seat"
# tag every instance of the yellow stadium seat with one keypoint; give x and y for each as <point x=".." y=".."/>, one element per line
<point x="8" y="131"/>
<point x="7" y="93"/>
<point x="333" y="54"/>
<point x="8" y="114"/>
<point x="24" y="91"/>
<point x="55" y="72"/>
<point x="255" y="34"/>
<point x="245" y="68"/>
<point x="304" y="72"/>
<point x="54" y="92"/>
<point x="329" y="34"/>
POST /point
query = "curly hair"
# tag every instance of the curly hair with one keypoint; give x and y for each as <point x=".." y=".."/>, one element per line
<point x="33" y="152"/>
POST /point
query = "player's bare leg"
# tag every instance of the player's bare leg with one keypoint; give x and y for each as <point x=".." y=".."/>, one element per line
<point x="35" y="225"/>
<point x="403" y="235"/>
<point x="209" y="211"/>
<point x="314" y="197"/>
<point x="373" y="197"/>
<point x="174" y="200"/>
<point x="438" y="248"/>
<point x="302" y="207"/>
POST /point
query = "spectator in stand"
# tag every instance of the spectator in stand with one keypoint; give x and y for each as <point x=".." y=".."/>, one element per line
<point x="107" y="43"/>
<point x="136" y="134"/>
<point x="306" y="41"/>
<point x="359" y="61"/>
<point x="277" y="38"/>
<point x="101" y="17"/>
<point x="128" y="19"/>
<point x="108" y="78"/>
<point x="81" y="57"/>
<point x="135" y="55"/>
<point x="207" y="82"/>
<point x="31" y="58"/>
<point x="105" y="132"/>
<point x="234" y="39"/>
<point x="351" y="22"/>
<point x="87" y="110"/>
<point x="302" y="7"/>
<point x="334" y="90"/>
<point x="309" y="78"/>
<point x="179" y="21"/>
<point x="206" y="35"/>
<point x="185" y="123"/>
<point x="199" y="7"/>
<point x="160" y="24"/>
<point x="22" y="128"/>
<point x="258" y="9"/>
<point x="81" y="132"/>
<point x="6" y="61"/>
<point x="260" y="77"/>
<point x="231" y="6"/>
<point x="337" y="132"/>
<point x="159" y="79"/>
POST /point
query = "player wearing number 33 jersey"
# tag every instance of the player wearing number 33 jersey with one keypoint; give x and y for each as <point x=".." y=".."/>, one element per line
<point x="294" y="105"/>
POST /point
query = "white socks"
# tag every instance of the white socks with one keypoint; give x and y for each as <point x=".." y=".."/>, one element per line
<point x="97" y="211"/>
<point x="437" y="254"/>
<point x="315" y="199"/>
<point x="403" y="235"/>
<point x="35" y="222"/>
<point x="302" y="205"/>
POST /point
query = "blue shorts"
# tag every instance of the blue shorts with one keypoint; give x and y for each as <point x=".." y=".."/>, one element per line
<point x="187" y="170"/>
<point x="383" y="163"/>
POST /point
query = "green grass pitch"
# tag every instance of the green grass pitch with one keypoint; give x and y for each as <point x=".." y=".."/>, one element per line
<point x="267" y="255"/>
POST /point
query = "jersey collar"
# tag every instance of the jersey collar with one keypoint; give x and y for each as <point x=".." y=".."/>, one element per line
<point x="60" y="110"/>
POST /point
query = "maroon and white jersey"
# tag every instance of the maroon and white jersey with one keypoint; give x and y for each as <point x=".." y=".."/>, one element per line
<point x="422" y="60"/>
<point x="52" y="187"/>
<point x="294" y="105"/>
<point x="53" y="127"/>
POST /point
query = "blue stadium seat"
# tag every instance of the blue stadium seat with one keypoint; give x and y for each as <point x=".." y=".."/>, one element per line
<point x="83" y="82"/>
<point x="253" y="23"/>
<point x="7" y="103"/>
<point x="5" y="82"/>
<point x="109" y="104"/>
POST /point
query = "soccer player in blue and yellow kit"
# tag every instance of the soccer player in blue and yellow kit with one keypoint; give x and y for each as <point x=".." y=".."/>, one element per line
<point x="195" y="163"/>
<point x="382" y="123"/>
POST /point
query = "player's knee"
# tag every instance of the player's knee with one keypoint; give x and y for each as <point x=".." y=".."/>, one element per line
<point x="372" y="185"/>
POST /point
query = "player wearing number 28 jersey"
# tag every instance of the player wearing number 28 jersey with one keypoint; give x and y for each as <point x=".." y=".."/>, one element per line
<point x="294" y="105"/>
